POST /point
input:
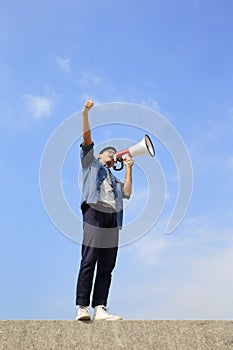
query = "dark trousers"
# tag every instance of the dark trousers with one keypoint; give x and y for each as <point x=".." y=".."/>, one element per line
<point x="99" y="250"/>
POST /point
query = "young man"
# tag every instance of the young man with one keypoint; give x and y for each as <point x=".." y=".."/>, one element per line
<point x="102" y="209"/>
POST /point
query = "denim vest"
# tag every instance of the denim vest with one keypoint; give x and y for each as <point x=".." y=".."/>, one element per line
<point x="94" y="173"/>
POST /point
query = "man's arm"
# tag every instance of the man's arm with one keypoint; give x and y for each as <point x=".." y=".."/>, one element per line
<point x="85" y="123"/>
<point x="129" y="162"/>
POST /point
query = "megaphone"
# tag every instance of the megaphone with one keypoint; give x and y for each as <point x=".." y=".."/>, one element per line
<point x="145" y="146"/>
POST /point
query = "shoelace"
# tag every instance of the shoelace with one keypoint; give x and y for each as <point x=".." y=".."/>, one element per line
<point x="84" y="308"/>
<point x="104" y="308"/>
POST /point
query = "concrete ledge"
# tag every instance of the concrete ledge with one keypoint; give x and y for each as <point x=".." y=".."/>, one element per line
<point x="72" y="335"/>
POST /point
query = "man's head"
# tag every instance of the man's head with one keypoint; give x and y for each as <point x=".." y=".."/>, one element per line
<point x="106" y="156"/>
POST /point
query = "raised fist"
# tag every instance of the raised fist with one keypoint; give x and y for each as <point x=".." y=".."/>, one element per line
<point x="88" y="105"/>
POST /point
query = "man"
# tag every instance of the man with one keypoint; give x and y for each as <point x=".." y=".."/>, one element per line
<point x="102" y="209"/>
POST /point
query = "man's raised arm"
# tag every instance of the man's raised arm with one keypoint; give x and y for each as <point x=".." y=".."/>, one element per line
<point x="85" y="123"/>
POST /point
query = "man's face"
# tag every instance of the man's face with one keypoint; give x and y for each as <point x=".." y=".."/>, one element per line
<point x="107" y="157"/>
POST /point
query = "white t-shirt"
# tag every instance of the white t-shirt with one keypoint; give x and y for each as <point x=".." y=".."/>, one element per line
<point x="107" y="193"/>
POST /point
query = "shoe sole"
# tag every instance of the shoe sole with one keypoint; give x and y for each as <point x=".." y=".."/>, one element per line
<point x="83" y="318"/>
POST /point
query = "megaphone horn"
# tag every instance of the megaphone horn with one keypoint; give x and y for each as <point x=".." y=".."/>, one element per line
<point x="145" y="146"/>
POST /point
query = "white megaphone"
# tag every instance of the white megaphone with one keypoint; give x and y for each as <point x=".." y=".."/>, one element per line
<point x="145" y="146"/>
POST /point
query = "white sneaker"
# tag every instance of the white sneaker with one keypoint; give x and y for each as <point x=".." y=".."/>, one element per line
<point x="101" y="313"/>
<point x="83" y="313"/>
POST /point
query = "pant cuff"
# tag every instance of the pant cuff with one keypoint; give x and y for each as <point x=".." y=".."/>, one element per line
<point x="98" y="302"/>
<point x="83" y="302"/>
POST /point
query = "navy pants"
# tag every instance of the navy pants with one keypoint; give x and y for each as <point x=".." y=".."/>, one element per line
<point x="99" y="251"/>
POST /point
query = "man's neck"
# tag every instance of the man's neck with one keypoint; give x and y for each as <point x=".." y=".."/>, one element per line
<point x="106" y="164"/>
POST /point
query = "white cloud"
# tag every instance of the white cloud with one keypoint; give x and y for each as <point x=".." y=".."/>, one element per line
<point x="186" y="275"/>
<point x="39" y="106"/>
<point x="85" y="96"/>
<point x="90" y="80"/>
<point x="204" y="291"/>
<point x="152" y="252"/>
<point x="151" y="103"/>
<point x="201" y="290"/>
<point x="63" y="64"/>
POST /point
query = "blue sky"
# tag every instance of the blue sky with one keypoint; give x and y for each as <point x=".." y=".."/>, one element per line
<point x="175" y="57"/>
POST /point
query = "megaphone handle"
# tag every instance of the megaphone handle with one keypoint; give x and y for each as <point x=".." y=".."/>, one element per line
<point x="121" y="167"/>
<point x="122" y="164"/>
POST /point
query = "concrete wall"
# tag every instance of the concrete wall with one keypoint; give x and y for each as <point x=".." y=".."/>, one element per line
<point x="116" y="335"/>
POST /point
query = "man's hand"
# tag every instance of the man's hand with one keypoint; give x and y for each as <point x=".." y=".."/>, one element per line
<point x="88" y="105"/>
<point x="128" y="161"/>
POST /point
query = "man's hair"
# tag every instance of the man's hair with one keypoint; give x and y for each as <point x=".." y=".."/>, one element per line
<point x="107" y="148"/>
